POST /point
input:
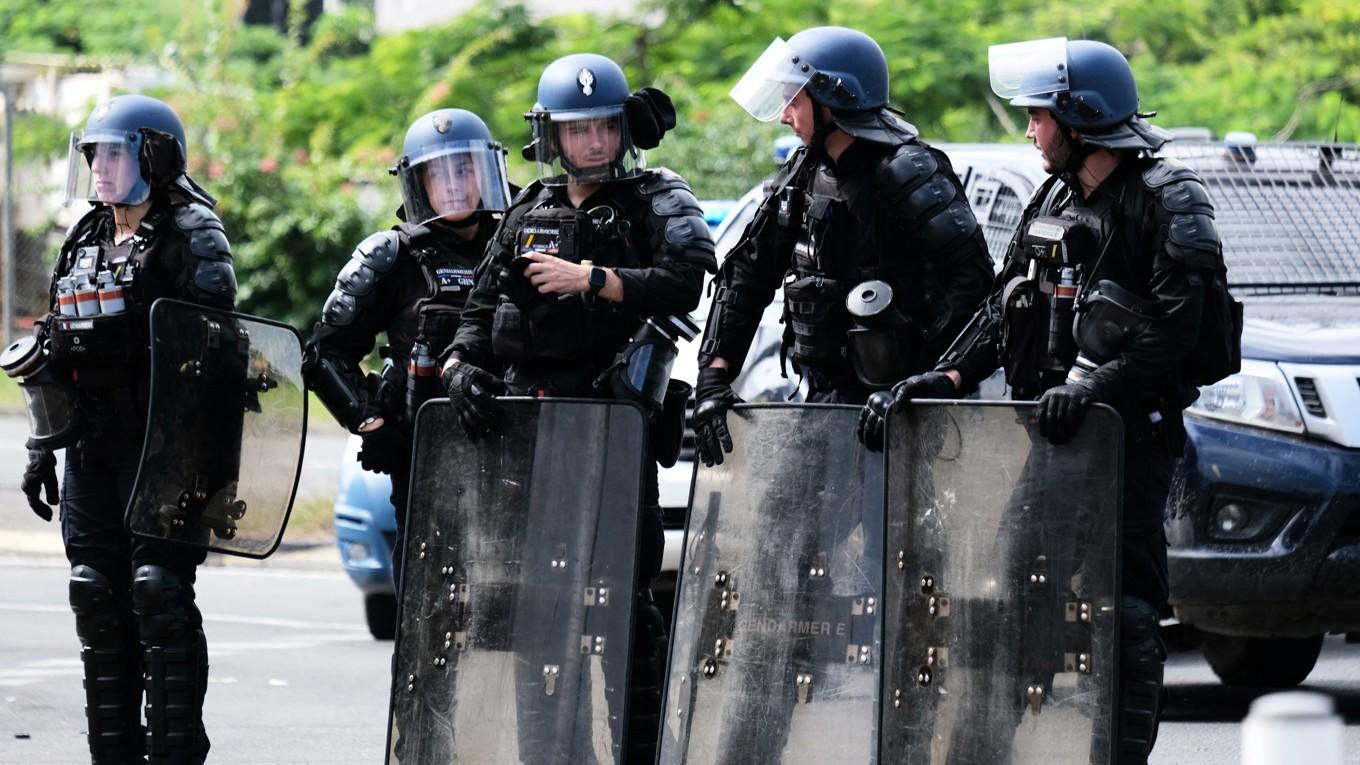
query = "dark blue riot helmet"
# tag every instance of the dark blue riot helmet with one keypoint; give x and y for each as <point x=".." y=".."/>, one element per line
<point x="580" y="129"/>
<point x="131" y="145"/>
<point x="451" y="168"/>
<point x="840" y="68"/>
<point x="1087" y="85"/>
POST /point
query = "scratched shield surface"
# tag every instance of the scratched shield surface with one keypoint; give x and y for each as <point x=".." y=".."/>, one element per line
<point x="516" y="604"/>
<point x="775" y="650"/>
<point x="1000" y="588"/>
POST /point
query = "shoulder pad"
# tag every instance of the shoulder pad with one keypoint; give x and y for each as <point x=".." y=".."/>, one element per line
<point x="194" y="216"/>
<point x="901" y="172"/>
<point x="379" y="251"/>
<point x="688" y="232"/>
<point x="660" y="179"/>
<point x="1193" y="239"/>
<point x="1164" y="170"/>
<point x="676" y="201"/>
<point x="1179" y="189"/>
<point x="216" y="281"/>
<point x="339" y="310"/>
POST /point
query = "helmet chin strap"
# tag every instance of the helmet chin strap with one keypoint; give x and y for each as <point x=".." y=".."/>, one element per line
<point x="821" y="128"/>
<point x="1077" y="152"/>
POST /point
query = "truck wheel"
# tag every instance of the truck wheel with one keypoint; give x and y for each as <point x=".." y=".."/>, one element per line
<point x="1261" y="662"/>
<point x="381" y="611"/>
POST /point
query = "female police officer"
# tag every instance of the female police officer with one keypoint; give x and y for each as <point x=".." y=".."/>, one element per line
<point x="648" y="246"/>
<point x="409" y="282"/>
<point x="150" y="233"/>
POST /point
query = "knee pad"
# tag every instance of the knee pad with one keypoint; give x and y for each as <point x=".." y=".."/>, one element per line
<point x="1140" y="639"/>
<point x="164" y="604"/>
<point x="101" y="613"/>
<point x="1141" y="654"/>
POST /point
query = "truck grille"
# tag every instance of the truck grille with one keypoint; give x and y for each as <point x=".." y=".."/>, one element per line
<point x="1309" y="394"/>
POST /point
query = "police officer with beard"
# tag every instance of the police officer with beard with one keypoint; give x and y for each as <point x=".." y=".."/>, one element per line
<point x="150" y="233"/>
<point x="585" y="256"/>
<point x="867" y="228"/>
<point x="1125" y="243"/>
<point x="409" y="282"/>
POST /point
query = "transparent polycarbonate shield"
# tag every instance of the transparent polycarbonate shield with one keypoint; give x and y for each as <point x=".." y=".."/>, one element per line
<point x="775" y="651"/>
<point x="225" y="430"/>
<point x="517" y="586"/>
<point x="1029" y="68"/>
<point x="1001" y="584"/>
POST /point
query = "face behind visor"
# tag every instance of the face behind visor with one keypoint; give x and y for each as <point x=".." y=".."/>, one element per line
<point x="451" y="168"/>
<point x="580" y="129"/>
<point x="108" y="161"/>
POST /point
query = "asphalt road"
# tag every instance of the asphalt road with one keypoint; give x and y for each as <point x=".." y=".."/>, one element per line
<point x="296" y="679"/>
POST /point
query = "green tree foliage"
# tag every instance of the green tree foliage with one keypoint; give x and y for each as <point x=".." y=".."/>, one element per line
<point x="296" y="136"/>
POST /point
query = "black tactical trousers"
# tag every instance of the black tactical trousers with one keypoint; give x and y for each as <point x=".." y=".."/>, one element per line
<point x="99" y="476"/>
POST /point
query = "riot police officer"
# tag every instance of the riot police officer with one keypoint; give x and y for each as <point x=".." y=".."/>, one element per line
<point x="868" y="228"/>
<point x="150" y="233"/>
<point x="409" y="282"/>
<point x="1123" y="245"/>
<point x="585" y="256"/>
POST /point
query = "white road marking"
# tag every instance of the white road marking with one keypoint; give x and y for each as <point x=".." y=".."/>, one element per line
<point x="258" y="621"/>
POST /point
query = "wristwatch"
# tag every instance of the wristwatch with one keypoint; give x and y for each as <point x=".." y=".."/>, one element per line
<point x="597" y="279"/>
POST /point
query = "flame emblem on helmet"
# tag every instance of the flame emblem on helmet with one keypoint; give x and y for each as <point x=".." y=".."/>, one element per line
<point x="585" y="80"/>
<point x="442" y="123"/>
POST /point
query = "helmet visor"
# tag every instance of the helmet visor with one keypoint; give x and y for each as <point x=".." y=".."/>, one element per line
<point x="105" y="166"/>
<point x="772" y="82"/>
<point x="1031" y="68"/>
<point x="453" y="181"/>
<point x="587" y="146"/>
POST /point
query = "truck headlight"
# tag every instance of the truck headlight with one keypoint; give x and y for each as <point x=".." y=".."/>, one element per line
<point x="1258" y="396"/>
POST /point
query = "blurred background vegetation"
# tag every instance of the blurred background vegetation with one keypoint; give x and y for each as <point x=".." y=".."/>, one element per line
<point x="294" y="126"/>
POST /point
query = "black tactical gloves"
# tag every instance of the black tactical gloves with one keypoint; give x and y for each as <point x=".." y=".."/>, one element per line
<point x="385" y="449"/>
<point x="1061" y="411"/>
<point x="650" y="114"/>
<point x="715" y="396"/>
<point x="40" y="474"/>
<point x="873" y="418"/>
<point x="472" y="392"/>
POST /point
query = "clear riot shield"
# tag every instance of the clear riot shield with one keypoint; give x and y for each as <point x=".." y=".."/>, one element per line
<point x="225" y="430"/>
<point x="518" y="586"/>
<point x="1001" y="587"/>
<point x="775" y="651"/>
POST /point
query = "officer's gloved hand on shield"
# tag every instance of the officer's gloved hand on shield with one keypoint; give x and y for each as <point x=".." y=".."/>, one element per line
<point x="384" y="448"/>
<point x="472" y="392"/>
<point x="873" y="418"/>
<point x="40" y="474"/>
<point x="714" y="396"/>
<point x="1061" y="411"/>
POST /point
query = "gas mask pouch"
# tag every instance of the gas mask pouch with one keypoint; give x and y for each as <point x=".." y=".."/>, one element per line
<point x="642" y="373"/>
<point x="54" y="420"/>
<point x="884" y="342"/>
<point x="1109" y="317"/>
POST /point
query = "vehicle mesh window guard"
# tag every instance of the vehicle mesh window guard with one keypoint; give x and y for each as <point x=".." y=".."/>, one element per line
<point x="1288" y="213"/>
<point x="998" y="209"/>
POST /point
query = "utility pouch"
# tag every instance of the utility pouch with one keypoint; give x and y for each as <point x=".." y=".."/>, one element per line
<point x="103" y="350"/>
<point x="1023" y="335"/>
<point x="817" y="318"/>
